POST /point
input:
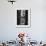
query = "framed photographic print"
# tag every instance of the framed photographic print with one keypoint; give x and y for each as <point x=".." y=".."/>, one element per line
<point x="23" y="17"/>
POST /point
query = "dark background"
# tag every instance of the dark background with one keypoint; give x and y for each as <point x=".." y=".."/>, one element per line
<point x="19" y="16"/>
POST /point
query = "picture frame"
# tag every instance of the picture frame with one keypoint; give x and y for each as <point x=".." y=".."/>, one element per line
<point x="25" y="21"/>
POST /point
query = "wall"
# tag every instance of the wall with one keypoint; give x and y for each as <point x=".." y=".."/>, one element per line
<point x="8" y="28"/>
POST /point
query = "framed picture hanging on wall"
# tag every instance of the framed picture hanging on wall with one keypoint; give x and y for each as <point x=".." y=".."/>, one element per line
<point x="23" y="17"/>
